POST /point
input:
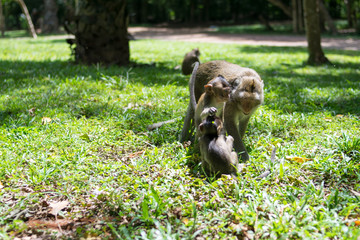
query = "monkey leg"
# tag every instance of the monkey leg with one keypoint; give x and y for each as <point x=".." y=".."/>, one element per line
<point x="187" y="129"/>
<point x="233" y="131"/>
<point x="230" y="142"/>
<point x="243" y="125"/>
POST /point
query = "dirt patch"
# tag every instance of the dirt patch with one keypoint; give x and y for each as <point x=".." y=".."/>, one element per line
<point x="208" y="35"/>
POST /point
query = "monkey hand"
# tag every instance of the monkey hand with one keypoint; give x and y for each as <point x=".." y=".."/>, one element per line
<point x="212" y="111"/>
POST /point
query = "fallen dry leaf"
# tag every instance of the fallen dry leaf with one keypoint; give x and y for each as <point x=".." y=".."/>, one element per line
<point x="185" y="221"/>
<point x="32" y="111"/>
<point x="56" y="207"/>
<point x="355" y="193"/>
<point x="45" y="120"/>
<point x="357" y="223"/>
<point x="299" y="159"/>
<point x="135" y="154"/>
<point x="62" y="223"/>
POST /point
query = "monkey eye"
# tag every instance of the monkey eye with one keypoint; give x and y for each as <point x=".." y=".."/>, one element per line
<point x="236" y="83"/>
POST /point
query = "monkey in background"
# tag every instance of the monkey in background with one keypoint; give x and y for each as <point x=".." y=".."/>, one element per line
<point x="217" y="156"/>
<point x="189" y="59"/>
<point x="246" y="96"/>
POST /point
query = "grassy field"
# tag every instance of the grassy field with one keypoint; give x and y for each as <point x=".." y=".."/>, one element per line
<point x="76" y="160"/>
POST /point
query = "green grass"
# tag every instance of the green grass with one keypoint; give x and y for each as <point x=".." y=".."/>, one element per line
<point x="278" y="28"/>
<point x="125" y="182"/>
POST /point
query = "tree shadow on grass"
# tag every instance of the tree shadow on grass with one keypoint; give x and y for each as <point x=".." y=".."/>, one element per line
<point x="27" y="74"/>
<point x="60" y="86"/>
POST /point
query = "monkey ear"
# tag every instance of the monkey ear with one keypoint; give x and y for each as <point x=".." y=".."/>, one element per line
<point x="219" y="130"/>
<point x="252" y="86"/>
<point x="208" y="87"/>
<point x="201" y="127"/>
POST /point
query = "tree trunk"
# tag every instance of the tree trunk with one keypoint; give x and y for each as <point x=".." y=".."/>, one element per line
<point x="295" y="16"/>
<point x="101" y="33"/>
<point x="349" y="12"/>
<point x="297" y="13"/>
<point x="286" y="9"/>
<point x="2" y="21"/>
<point x="51" y="22"/>
<point x="28" y="18"/>
<point x="301" y="15"/>
<point x="265" y="22"/>
<point x="330" y="23"/>
<point x="311" y="13"/>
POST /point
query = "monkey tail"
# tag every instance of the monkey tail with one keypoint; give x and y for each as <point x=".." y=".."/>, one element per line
<point x="192" y="85"/>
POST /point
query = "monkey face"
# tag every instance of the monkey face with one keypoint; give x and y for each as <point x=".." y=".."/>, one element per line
<point x="211" y="126"/>
<point x="248" y="94"/>
<point x="196" y="52"/>
<point x="208" y="128"/>
<point x="220" y="88"/>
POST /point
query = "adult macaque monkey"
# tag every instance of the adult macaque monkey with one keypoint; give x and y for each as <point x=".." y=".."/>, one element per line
<point x="246" y="96"/>
<point x="189" y="60"/>
<point x="216" y="149"/>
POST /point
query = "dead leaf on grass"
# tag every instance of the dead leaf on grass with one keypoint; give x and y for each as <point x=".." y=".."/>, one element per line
<point x="62" y="223"/>
<point x="299" y="159"/>
<point x="56" y="207"/>
<point x="328" y="119"/>
<point x="135" y="154"/>
<point x="32" y="111"/>
<point x="46" y="120"/>
<point x="355" y="193"/>
<point x="356" y="223"/>
<point x="185" y="221"/>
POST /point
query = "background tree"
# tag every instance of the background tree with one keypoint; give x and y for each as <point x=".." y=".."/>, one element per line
<point x="350" y="13"/>
<point x="28" y="18"/>
<point x="50" y="21"/>
<point x="297" y="16"/>
<point x="311" y="13"/>
<point x="101" y="32"/>
<point x="2" y="20"/>
<point x="327" y="18"/>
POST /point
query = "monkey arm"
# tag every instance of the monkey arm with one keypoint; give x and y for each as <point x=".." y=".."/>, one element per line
<point x="230" y="142"/>
<point x="208" y="111"/>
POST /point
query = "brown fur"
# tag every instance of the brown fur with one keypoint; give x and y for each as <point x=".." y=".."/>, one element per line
<point x="217" y="156"/>
<point x="246" y="96"/>
<point x="188" y="61"/>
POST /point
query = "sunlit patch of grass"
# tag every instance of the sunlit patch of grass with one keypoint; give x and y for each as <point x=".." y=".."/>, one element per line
<point x="123" y="181"/>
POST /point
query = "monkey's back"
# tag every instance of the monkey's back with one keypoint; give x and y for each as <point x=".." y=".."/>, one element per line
<point x="187" y="64"/>
<point x="217" y="154"/>
<point x="209" y="70"/>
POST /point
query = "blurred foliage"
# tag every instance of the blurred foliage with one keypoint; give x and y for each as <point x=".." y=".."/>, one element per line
<point x="176" y="11"/>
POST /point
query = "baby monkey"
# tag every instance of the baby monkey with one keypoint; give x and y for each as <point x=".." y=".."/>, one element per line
<point x="216" y="149"/>
<point x="217" y="93"/>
